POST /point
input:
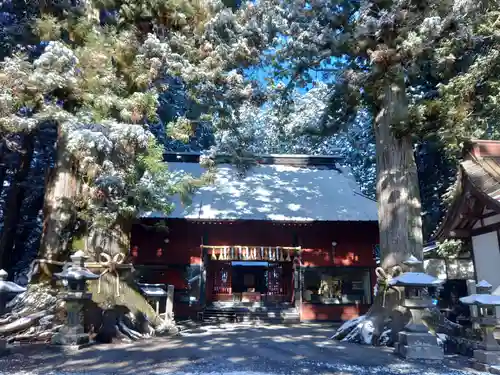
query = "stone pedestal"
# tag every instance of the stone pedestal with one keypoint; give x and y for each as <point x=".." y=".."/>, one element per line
<point x="419" y="345"/>
<point x="485" y="304"/>
<point x="73" y="334"/>
<point x="489" y="353"/>
<point x="491" y="358"/>
<point x="3" y="347"/>
<point x="485" y="360"/>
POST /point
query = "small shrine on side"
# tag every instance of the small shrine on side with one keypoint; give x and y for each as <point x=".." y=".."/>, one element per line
<point x="473" y="215"/>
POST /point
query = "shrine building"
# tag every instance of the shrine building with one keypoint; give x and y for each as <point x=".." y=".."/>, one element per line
<point x="473" y="215"/>
<point x="293" y="234"/>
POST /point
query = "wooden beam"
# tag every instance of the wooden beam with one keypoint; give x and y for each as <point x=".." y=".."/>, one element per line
<point x="486" y="229"/>
<point x="460" y="233"/>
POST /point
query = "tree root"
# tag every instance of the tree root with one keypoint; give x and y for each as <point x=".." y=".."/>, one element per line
<point x="361" y="330"/>
<point x="22" y="323"/>
<point x="39" y="313"/>
<point x="134" y="335"/>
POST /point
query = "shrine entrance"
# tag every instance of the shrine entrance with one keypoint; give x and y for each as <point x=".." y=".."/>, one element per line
<point x="236" y="277"/>
<point x="249" y="280"/>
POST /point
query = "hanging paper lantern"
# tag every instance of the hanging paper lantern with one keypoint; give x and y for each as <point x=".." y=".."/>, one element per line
<point x="159" y="252"/>
<point x="135" y="252"/>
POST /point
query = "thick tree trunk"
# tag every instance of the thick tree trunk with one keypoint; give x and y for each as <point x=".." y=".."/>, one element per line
<point x="15" y="198"/>
<point x="3" y="166"/>
<point x="111" y="241"/>
<point x="61" y="192"/>
<point x="398" y="198"/>
<point x="398" y="195"/>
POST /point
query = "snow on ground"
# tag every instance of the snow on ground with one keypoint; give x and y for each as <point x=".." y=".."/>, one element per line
<point x="229" y="349"/>
<point x="315" y="367"/>
<point x="209" y="330"/>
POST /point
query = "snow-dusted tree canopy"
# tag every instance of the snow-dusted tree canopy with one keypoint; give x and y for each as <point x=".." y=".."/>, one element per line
<point x="123" y="80"/>
<point x="101" y="84"/>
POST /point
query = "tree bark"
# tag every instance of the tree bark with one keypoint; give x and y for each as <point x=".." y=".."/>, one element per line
<point x="61" y="192"/>
<point x="112" y="240"/>
<point x="398" y="195"/>
<point x="398" y="198"/>
<point x="15" y="198"/>
<point x="3" y="165"/>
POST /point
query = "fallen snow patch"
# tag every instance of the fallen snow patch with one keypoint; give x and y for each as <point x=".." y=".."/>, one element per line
<point x="394" y="369"/>
<point x="207" y="330"/>
<point x="359" y="330"/>
<point x="348" y="326"/>
<point x="385" y="337"/>
<point x="149" y="373"/>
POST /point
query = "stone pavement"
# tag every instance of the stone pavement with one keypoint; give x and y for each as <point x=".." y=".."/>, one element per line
<point x="229" y="349"/>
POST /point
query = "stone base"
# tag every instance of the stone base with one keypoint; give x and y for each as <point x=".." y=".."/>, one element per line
<point x="69" y="349"/>
<point x="73" y="340"/>
<point x="3" y="347"/>
<point x="491" y="358"/>
<point x="418" y="345"/>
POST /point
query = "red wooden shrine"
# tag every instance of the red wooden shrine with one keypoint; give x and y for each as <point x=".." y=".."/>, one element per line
<point x="256" y="251"/>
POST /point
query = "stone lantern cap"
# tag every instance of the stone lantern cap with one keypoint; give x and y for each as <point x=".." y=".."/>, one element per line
<point x="415" y="279"/>
<point x="483" y="284"/>
<point x="153" y="290"/>
<point x="412" y="261"/>
<point x="483" y="287"/>
<point x="76" y="271"/>
<point x="9" y="286"/>
<point x="481" y="300"/>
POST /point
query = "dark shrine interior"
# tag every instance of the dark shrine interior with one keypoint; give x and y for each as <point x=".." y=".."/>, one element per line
<point x="249" y="278"/>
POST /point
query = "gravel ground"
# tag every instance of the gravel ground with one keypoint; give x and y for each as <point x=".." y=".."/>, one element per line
<point x="227" y="350"/>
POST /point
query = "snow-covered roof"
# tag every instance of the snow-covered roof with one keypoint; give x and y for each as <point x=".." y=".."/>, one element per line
<point x="9" y="286"/>
<point x="415" y="279"/>
<point x="481" y="299"/>
<point x="278" y="192"/>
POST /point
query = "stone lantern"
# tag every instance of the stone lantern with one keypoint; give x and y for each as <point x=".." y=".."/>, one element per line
<point x="6" y="288"/>
<point x="489" y="352"/>
<point x="75" y="279"/>
<point x="415" y="341"/>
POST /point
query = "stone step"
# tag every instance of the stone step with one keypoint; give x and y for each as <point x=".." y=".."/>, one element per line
<point x="277" y="315"/>
<point x="419" y="352"/>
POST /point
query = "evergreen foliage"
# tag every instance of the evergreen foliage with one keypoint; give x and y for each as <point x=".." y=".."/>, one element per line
<point x="123" y="80"/>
